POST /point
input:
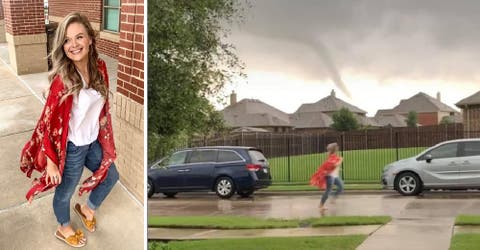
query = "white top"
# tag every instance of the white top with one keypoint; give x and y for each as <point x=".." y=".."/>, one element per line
<point x="335" y="172"/>
<point x="83" y="126"/>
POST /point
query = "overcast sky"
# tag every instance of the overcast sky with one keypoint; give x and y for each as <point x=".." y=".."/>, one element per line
<point x="372" y="53"/>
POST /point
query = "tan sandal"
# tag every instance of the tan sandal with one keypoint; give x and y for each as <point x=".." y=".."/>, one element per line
<point x="74" y="240"/>
<point x="88" y="224"/>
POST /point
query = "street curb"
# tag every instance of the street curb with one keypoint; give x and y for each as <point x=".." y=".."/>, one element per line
<point x="204" y="234"/>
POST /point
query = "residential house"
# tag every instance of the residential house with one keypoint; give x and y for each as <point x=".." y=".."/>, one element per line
<point x="471" y="113"/>
<point x="430" y="111"/>
<point x="253" y="113"/>
<point x="317" y="117"/>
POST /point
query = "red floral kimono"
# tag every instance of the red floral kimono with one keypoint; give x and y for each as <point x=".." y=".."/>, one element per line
<point x="318" y="179"/>
<point x="49" y="139"/>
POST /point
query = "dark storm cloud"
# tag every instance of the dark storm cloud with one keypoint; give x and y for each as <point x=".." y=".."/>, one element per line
<point x="417" y="40"/>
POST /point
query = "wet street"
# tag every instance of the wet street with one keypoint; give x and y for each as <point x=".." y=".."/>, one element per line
<point x="431" y="205"/>
<point x="424" y="222"/>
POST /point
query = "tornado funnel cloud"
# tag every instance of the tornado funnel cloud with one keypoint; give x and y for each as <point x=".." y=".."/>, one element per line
<point x="332" y="70"/>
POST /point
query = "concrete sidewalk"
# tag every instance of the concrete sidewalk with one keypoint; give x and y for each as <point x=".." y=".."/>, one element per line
<point x="23" y="226"/>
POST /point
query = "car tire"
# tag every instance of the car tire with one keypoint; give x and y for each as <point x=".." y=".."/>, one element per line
<point x="170" y="195"/>
<point x="408" y="184"/>
<point x="150" y="188"/>
<point x="224" y="187"/>
<point x="245" y="193"/>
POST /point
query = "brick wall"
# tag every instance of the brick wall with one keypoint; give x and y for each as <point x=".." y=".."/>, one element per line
<point x="1" y="11"/>
<point x="130" y="60"/>
<point x="107" y="47"/>
<point x="129" y="133"/>
<point x="24" y="17"/>
<point x="93" y="10"/>
<point x="129" y="138"/>
<point x="471" y="118"/>
<point x="426" y="119"/>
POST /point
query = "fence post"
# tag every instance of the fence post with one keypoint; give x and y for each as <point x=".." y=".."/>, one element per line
<point x="288" y="157"/>
<point x="342" y="136"/>
<point x="396" y="143"/>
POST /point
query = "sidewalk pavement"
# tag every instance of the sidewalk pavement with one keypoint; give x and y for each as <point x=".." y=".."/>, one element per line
<point x="23" y="226"/>
<point x="200" y="234"/>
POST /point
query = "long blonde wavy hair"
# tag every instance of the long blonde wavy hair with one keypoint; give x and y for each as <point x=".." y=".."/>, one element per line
<point x="65" y="68"/>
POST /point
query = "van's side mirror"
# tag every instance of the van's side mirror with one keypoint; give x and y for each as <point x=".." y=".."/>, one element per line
<point x="428" y="158"/>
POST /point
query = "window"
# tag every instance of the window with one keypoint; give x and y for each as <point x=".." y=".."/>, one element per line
<point x="203" y="156"/>
<point x="471" y="148"/>
<point x="177" y="158"/>
<point x="444" y="151"/>
<point x="225" y="156"/>
<point x="257" y="156"/>
<point x="111" y="15"/>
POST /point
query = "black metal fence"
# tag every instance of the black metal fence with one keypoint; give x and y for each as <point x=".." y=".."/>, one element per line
<point x="295" y="157"/>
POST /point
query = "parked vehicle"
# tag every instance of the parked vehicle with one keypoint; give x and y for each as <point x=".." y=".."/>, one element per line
<point x="225" y="170"/>
<point x="448" y="165"/>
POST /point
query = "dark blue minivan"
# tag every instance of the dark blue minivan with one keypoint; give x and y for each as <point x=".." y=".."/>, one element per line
<point x="225" y="170"/>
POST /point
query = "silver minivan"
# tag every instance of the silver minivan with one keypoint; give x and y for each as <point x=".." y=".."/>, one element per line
<point x="448" y="165"/>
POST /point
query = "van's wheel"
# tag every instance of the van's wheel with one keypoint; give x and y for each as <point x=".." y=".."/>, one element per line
<point x="150" y="188"/>
<point x="245" y="193"/>
<point x="408" y="184"/>
<point x="224" y="187"/>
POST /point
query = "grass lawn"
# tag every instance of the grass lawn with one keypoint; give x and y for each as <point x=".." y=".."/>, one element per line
<point x="358" y="165"/>
<point x="306" y="187"/>
<point x="465" y="242"/>
<point x="350" y="221"/>
<point x="467" y="220"/>
<point x="287" y="243"/>
<point x="243" y="222"/>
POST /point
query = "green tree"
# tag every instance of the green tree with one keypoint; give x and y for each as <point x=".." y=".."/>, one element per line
<point x="412" y="119"/>
<point x="188" y="63"/>
<point x="447" y="120"/>
<point x="344" y="120"/>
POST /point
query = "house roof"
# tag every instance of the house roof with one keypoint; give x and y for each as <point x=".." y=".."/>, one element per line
<point x="421" y="103"/>
<point x="310" y="120"/>
<point x="254" y="113"/>
<point x="471" y="100"/>
<point x="249" y="129"/>
<point x="394" y="120"/>
<point x="328" y="104"/>
<point x="367" y="121"/>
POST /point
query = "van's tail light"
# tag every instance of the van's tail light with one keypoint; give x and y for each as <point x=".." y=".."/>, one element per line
<point x="254" y="167"/>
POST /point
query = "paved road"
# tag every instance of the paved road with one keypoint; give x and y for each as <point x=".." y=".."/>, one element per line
<point x="418" y="222"/>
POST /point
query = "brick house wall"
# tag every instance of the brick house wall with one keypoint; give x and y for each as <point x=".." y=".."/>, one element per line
<point x="107" y="42"/>
<point x="2" y="25"/>
<point x="129" y="133"/>
<point x="23" y="17"/>
<point x="426" y="119"/>
<point x="25" y="33"/>
<point x="471" y="118"/>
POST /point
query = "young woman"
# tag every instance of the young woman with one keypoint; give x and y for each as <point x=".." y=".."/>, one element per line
<point x="74" y="130"/>
<point x="328" y="174"/>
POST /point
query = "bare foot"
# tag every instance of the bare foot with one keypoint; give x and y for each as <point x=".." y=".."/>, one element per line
<point x="87" y="211"/>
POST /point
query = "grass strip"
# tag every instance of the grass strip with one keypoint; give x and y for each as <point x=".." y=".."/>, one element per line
<point x="465" y="241"/>
<point x="219" y="222"/>
<point x="286" y="243"/>
<point x="467" y="220"/>
<point x="349" y="220"/>
<point x="243" y="222"/>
